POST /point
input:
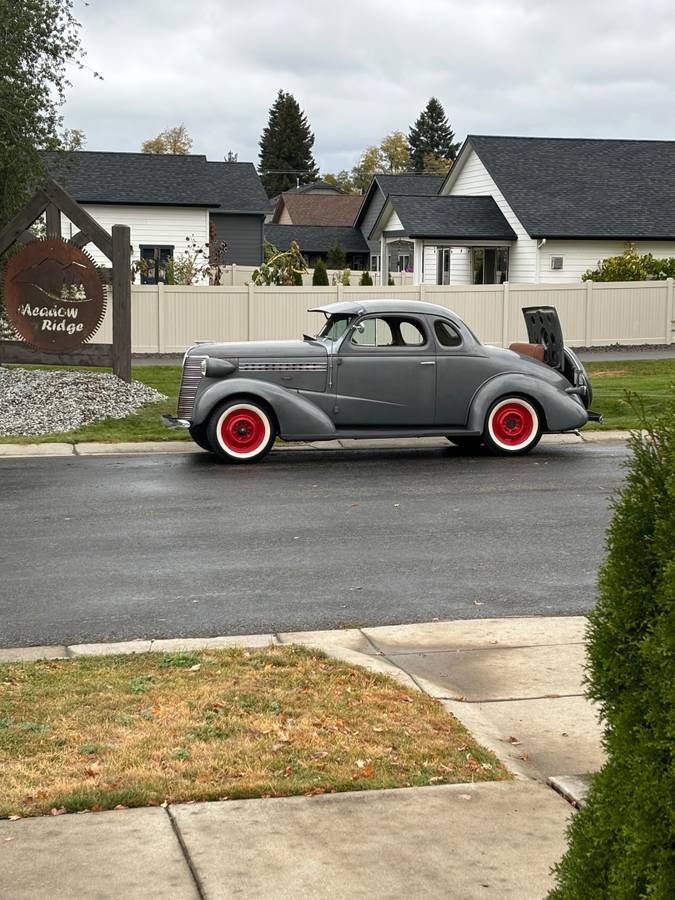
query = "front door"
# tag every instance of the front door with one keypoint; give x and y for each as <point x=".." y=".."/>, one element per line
<point x="386" y="373"/>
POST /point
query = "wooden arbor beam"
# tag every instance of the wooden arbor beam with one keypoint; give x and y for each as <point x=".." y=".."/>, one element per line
<point x="14" y="229"/>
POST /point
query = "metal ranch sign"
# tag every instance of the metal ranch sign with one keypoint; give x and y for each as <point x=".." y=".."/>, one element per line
<point x="54" y="295"/>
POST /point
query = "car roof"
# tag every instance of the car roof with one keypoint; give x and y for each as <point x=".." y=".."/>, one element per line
<point x="360" y="307"/>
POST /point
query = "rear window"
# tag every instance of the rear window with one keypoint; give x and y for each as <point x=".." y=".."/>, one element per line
<point x="447" y="334"/>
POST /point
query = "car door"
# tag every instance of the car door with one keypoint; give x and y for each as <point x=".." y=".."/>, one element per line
<point x="461" y="368"/>
<point x="386" y="373"/>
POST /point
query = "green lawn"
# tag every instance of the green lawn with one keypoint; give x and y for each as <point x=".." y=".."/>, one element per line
<point x="651" y="380"/>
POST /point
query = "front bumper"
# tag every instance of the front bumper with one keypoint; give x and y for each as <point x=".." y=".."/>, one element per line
<point x="173" y="422"/>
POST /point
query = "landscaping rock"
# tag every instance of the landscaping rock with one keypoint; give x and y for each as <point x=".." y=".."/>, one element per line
<point x="40" y="401"/>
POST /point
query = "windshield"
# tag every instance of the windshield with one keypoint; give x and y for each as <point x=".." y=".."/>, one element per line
<point x="335" y="327"/>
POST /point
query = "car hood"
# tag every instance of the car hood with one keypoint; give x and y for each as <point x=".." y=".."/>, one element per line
<point x="260" y="349"/>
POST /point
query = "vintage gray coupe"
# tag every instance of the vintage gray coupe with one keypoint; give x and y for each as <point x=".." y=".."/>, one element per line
<point x="384" y="368"/>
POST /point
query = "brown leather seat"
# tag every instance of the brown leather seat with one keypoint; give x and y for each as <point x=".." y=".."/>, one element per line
<point x="536" y="351"/>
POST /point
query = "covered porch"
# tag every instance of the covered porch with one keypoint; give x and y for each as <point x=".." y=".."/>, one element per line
<point x="449" y="240"/>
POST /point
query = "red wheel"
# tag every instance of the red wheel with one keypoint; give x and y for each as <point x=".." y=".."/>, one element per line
<point x="241" y="431"/>
<point x="513" y="426"/>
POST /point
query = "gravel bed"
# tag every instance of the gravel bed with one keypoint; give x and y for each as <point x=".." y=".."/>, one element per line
<point x="40" y="401"/>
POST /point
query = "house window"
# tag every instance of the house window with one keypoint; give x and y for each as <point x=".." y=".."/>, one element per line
<point x="374" y="263"/>
<point x="443" y="265"/>
<point x="155" y="261"/>
<point x="557" y="263"/>
<point x="403" y="263"/>
<point x="490" y="265"/>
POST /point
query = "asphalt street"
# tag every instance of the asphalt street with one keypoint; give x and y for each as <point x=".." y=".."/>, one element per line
<point x="123" y="547"/>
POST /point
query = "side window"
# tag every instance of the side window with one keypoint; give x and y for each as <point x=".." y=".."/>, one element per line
<point x="389" y="331"/>
<point x="447" y="335"/>
<point x="372" y="333"/>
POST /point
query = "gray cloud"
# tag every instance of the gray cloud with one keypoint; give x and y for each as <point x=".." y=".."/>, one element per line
<point x="361" y="69"/>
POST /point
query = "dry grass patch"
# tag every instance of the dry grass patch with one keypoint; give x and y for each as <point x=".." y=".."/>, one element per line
<point x="98" y="733"/>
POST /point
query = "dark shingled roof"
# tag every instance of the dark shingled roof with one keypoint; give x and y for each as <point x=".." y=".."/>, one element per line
<point x="416" y="185"/>
<point x="316" y="238"/>
<point x="463" y="218"/>
<point x="583" y="187"/>
<point x="149" y="179"/>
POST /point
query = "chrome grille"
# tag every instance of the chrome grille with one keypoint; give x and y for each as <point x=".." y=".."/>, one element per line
<point x="192" y="375"/>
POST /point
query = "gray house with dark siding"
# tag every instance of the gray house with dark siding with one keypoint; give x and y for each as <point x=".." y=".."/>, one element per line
<point x="167" y="200"/>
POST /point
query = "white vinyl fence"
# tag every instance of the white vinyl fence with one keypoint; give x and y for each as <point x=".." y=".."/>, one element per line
<point x="167" y="319"/>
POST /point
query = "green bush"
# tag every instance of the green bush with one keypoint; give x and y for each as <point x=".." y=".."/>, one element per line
<point x="622" y="844"/>
<point x="346" y="278"/>
<point x="632" y="266"/>
<point x="320" y="276"/>
<point x="337" y="257"/>
<point x="366" y="280"/>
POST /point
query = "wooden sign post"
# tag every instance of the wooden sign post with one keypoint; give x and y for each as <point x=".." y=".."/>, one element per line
<point x="60" y="273"/>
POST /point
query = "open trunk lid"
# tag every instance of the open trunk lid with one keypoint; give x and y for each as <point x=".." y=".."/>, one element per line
<point x="544" y="328"/>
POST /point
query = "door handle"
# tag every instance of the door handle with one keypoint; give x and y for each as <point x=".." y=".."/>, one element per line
<point x="428" y="362"/>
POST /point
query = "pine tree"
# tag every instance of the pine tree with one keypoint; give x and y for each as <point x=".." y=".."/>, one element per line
<point x="286" y="147"/>
<point x="431" y="135"/>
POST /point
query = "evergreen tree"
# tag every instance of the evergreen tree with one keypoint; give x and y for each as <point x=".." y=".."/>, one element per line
<point x="286" y="147"/>
<point x="320" y="276"/>
<point x="337" y="257"/>
<point x="431" y="135"/>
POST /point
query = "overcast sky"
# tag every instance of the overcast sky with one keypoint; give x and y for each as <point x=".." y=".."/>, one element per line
<point x="362" y="68"/>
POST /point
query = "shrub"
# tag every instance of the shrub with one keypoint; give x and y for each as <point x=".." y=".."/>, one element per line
<point x="622" y="844"/>
<point x="346" y="278"/>
<point x="320" y="276"/>
<point x="390" y="281"/>
<point x="336" y="258"/>
<point x="366" y="280"/>
<point x="632" y="266"/>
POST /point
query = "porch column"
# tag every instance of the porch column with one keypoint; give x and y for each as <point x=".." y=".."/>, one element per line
<point x="418" y="261"/>
<point x="384" y="261"/>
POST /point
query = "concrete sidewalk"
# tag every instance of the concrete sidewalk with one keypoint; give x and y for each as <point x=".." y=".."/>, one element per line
<point x="515" y="683"/>
<point x="94" y="448"/>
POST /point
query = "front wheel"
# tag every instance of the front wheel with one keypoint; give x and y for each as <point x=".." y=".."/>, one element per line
<point x="513" y="427"/>
<point x="198" y="435"/>
<point x="241" y="431"/>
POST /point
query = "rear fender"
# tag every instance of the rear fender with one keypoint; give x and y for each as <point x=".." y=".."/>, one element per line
<point x="561" y="411"/>
<point x="295" y="414"/>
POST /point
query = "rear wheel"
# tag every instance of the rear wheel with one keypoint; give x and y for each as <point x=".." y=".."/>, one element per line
<point x="241" y="431"/>
<point x="513" y="427"/>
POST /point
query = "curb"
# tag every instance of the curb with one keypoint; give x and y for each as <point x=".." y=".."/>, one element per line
<point x="16" y="451"/>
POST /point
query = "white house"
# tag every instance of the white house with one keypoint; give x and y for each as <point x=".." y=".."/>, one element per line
<point x="166" y="200"/>
<point x="535" y="209"/>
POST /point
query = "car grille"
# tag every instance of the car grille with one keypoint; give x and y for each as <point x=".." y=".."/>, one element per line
<point x="192" y="375"/>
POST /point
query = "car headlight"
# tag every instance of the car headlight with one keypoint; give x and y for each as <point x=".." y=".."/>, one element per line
<point x="204" y="365"/>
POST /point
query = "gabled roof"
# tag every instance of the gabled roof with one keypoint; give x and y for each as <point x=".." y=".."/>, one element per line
<point x="582" y="187"/>
<point x="319" y="209"/>
<point x="150" y="179"/>
<point x="412" y="185"/>
<point x="461" y="218"/>
<point x="316" y="238"/>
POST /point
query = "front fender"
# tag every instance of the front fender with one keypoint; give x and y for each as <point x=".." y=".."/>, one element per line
<point x="562" y="412"/>
<point x="296" y="415"/>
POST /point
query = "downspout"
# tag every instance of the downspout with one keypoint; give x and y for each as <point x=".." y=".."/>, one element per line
<point x="537" y="265"/>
